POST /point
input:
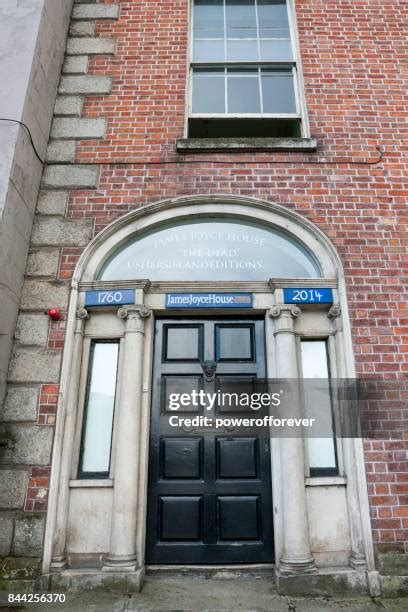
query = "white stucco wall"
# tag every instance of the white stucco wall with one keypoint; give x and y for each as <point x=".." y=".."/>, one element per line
<point x="32" y="44"/>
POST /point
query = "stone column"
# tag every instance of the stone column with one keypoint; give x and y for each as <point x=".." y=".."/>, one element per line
<point x="58" y="561"/>
<point x="296" y="555"/>
<point x="122" y="554"/>
<point x="357" y="556"/>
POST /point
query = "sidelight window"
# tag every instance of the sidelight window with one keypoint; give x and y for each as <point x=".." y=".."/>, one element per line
<point x="244" y="70"/>
<point x="97" y="427"/>
<point x="318" y="404"/>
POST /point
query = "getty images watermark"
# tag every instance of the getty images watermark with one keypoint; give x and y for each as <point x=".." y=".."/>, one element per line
<point x="308" y="408"/>
<point x="226" y="401"/>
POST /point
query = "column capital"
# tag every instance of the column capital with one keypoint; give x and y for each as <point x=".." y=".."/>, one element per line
<point x="82" y="314"/>
<point x="285" y="315"/>
<point x="138" y="311"/>
<point x="334" y="315"/>
<point x="334" y="312"/>
<point x="282" y="310"/>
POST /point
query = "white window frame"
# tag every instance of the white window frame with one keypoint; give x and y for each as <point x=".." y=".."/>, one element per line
<point x="295" y="64"/>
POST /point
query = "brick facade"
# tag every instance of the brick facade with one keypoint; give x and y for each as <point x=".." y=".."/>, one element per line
<point x="352" y="56"/>
<point x="352" y="187"/>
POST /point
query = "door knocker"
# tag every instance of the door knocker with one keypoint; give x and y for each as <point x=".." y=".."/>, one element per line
<point x="209" y="367"/>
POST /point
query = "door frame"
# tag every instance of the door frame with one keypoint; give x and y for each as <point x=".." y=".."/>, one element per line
<point x="152" y="296"/>
<point x="266" y="296"/>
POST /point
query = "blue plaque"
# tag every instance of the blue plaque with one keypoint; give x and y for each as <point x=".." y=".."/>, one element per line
<point x="111" y="297"/>
<point x="306" y="295"/>
<point x="209" y="300"/>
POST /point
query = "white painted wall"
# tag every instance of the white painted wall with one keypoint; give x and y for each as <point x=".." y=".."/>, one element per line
<point x="32" y="45"/>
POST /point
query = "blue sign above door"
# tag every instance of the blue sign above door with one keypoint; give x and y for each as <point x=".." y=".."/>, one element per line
<point x="114" y="297"/>
<point x="307" y="295"/>
<point x="209" y="300"/>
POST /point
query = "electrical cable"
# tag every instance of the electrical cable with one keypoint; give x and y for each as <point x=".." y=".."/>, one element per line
<point x="29" y="135"/>
<point x="238" y="162"/>
<point x="201" y="161"/>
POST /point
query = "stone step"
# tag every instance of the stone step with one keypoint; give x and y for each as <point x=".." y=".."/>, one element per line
<point x="86" y="12"/>
<point x="91" y="46"/>
<point x="70" y="106"/>
<point x="70" y="177"/>
<point x="394" y="586"/>
<point x="78" y="128"/>
<point x="393" y="564"/>
<point x="86" y="85"/>
<point x="75" y="65"/>
<point x="61" y="151"/>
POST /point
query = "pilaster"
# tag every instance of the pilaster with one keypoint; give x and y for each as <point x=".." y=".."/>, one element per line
<point x="296" y="556"/>
<point x="59" y="561"/>
<point x="122" y="555"/>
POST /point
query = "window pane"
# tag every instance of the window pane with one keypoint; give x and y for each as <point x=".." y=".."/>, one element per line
<point x="208" y="50"/>
<point x="208" y="91"/>
<point x="273" y="33"/>
<point x="208" y="14"/>
<point x="97" y="436"/>
<point x="273" y="14"/>
<point x="276" y="49"/>
<point x="242" y="50"/>
<point x="243" y="33"/>
<point x="318" y="405"/>
<point x="209" y="33"/>
<point x="278" y="92"/>
<point x="240" y="14"/>
<point x="243" y="91"/>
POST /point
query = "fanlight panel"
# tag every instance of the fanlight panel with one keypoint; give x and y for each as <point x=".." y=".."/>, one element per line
<point x="211" y="249"/>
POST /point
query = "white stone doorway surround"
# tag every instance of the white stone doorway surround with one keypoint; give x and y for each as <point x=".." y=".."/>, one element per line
<point x="300" y="564"/>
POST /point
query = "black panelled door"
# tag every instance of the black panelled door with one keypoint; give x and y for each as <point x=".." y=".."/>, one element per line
<point x="209" y="496"/>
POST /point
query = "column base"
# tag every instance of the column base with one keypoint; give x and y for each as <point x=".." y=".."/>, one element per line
<point x="294" y="567"/>
<point x="358" y="561"/>
<point x="58" y="564"/>
<point x="120" y="563"/>
<point x="324" y="582"/>
<point x="86" y="579"/>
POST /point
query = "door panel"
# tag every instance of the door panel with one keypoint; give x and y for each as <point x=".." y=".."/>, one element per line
<point x="209" y="497"/>
<point x="237" y="458"/>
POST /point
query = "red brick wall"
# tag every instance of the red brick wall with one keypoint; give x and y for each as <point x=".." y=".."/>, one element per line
<point x="355" y="85"/>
